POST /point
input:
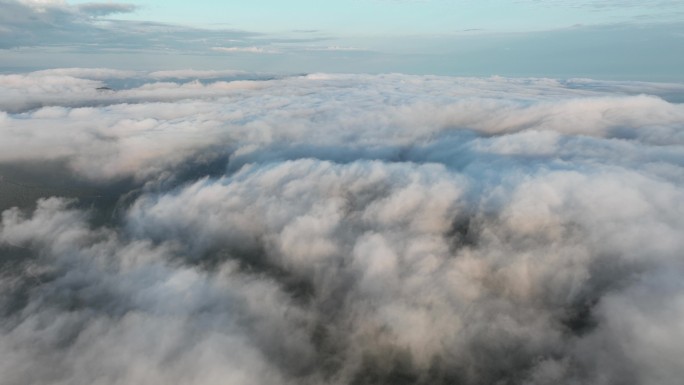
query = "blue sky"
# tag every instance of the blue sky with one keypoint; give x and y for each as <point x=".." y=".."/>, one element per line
<point x="557" y="38"/>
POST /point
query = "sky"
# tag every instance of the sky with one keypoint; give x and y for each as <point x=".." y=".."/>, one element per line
<point x="397" y="17"/>
<point x="600" y="39"/>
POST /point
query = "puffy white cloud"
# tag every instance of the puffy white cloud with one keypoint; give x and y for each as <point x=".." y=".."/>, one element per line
<point x="342" y="229"/>
<point x="401" y="114"/>
<point x="106" y="310"/>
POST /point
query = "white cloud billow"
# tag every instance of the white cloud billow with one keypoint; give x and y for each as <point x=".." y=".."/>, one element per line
<point x="342" y="229"/>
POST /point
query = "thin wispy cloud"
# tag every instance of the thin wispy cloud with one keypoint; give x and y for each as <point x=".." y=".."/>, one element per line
<point x="252" y="49"/>
<point x="82" y="28"/>
<point x="104" y="9"/>
<point x="606" y="4"/>
<point x="336" y="48"/>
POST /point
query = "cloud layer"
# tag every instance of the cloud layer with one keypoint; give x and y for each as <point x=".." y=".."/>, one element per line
<point x="218" y="227"/>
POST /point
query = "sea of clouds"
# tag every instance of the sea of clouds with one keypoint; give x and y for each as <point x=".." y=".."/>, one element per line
<point x="218" y="227"/>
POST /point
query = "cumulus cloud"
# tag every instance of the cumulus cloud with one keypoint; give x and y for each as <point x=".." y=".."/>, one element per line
<point x="339" y="229"/>
<point x="125" y="314"/>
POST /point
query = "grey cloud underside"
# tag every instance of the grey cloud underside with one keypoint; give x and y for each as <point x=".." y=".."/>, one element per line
<point x="103" y="9"/>
<point x="82" y="29"/>
<point x="339" y="229"/>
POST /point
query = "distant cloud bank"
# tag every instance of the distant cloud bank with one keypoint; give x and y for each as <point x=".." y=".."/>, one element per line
<point x="213" y="227"/>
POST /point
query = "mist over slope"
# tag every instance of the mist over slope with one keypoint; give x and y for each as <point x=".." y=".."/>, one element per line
<point x="188" y="227"/>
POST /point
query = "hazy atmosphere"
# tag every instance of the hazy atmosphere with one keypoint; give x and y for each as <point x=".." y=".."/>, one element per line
<point x="361" y="192"/>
